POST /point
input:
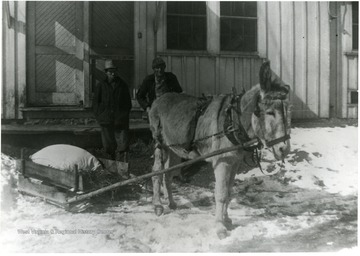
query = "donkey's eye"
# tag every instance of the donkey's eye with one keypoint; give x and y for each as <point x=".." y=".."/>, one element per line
<point x="270" y="113"/>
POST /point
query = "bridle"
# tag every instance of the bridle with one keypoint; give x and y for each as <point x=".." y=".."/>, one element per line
<point x="237" y="134"/>
<point x="286" y="136"/>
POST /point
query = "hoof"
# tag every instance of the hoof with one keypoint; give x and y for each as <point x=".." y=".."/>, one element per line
<point x="159" y="210"/>
<point x="172" y="206"/>
<point x="221" y="230"/>
<point x="222" y="234"/>
<point x="228" y="224"/>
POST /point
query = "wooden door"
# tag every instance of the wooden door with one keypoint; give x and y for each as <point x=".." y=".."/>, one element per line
<point x="55" y="53"/>
<point x="112" y="37"/>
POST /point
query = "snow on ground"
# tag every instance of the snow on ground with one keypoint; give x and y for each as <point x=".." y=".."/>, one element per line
<point x="309" y="203"/>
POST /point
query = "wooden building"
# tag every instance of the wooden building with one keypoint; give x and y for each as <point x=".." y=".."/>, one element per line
<point x="53" y="52"/>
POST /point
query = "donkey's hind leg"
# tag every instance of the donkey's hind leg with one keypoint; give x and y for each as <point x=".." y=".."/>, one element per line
<point x="156" y="180"/>
<point x="172" y="159"/>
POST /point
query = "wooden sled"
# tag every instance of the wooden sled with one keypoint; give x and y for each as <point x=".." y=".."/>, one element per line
<point x="58" y="186"/>
<point x="73" y="200"/>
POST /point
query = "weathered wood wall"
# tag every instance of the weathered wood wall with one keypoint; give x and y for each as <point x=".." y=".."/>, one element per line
<point x="13" y="59"/>
<point x="295" y="36"/>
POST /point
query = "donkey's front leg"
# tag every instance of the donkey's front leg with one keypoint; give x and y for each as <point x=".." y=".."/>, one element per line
<point x="156" y="180"/>
<point x="222" y="181"/>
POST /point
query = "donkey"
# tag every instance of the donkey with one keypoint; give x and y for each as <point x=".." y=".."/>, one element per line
<point x="182" y="125"/>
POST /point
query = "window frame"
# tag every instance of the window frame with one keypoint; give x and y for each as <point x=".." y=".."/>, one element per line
<point x="249" y="53"/>
<point x="207" y="52"/>
<point x="183" y="50"/>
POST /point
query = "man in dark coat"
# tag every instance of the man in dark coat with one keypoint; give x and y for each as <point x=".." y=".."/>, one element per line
<point x="111" y="105"/>
<point x="157" y="84"/>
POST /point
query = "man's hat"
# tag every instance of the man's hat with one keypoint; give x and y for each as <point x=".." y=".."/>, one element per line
<point x="109" y="64"/>
<point x="158" y="62"/>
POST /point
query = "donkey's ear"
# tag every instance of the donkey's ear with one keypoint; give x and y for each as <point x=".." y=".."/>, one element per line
<point x="287" y="87"/>
<point x="265" y="76"/>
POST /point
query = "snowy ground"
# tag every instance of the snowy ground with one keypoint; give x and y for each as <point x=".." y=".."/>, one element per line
<point x="308" y="204"/>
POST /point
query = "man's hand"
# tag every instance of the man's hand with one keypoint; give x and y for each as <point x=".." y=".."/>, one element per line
<point x="147" y="109"/>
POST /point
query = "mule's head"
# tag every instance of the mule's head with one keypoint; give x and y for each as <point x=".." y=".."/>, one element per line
<point x="271" y="119"/>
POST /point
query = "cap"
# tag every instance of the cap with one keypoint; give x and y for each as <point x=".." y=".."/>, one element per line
<point x="157" y="62"/>
<point x="109" y="64"/>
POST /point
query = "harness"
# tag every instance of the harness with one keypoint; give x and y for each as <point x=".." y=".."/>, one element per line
<point x="237" y="134"/>
<point x="234" y="130"/>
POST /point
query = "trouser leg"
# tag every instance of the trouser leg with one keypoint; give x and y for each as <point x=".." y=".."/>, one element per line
<point x="108" y="139"/>
<point x="122" y="140"/>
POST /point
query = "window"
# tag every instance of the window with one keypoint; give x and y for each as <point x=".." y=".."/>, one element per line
<point x="238" y="26"/>
<point x="186" y="25"/>
<point x="355" y="26"/>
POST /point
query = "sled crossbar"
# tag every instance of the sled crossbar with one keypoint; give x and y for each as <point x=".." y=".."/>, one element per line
<point x="148" y="175"/>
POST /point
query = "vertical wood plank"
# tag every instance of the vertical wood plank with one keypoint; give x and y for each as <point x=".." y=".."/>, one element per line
<point x="324" y="49"/>
<point x="299" y="84"/>
<point x="287" y="42"/>
<point x="313" y="58"/>
<point x="137" y="60"/>
<point x="207" y="76"/>
<point x="150" y="39"/>
<point x="9" y="92"/>
<point x="31" y="57"/>
<point x="190" y="76"/>
<point x="161" y="32"/>
<point x="217" y="75"/>
<point x="86" y="55"/>
<point x="176" y="68"/>
<point x="334" y="59"/>
<point x="247" y="73"/>
<point x="226" y="75"/>
<point x="346" y="43"/>
<point x="237" y="75"/>
<point x="197" y="75"/>
<point x="213" y="26"/>
<point x="79" y="52"/>
<point x="21" y="56"/>
<point x="144" y="67"/>
<point x="273" y="34"/>
<point x="242" y="84"/>
<point x="262" y="28"/>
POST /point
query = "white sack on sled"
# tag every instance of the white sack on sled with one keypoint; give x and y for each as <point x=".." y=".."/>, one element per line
<point x="66" y="157"/>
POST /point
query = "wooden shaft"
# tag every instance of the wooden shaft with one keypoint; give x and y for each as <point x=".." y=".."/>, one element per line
<point x="148" y="175"/>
